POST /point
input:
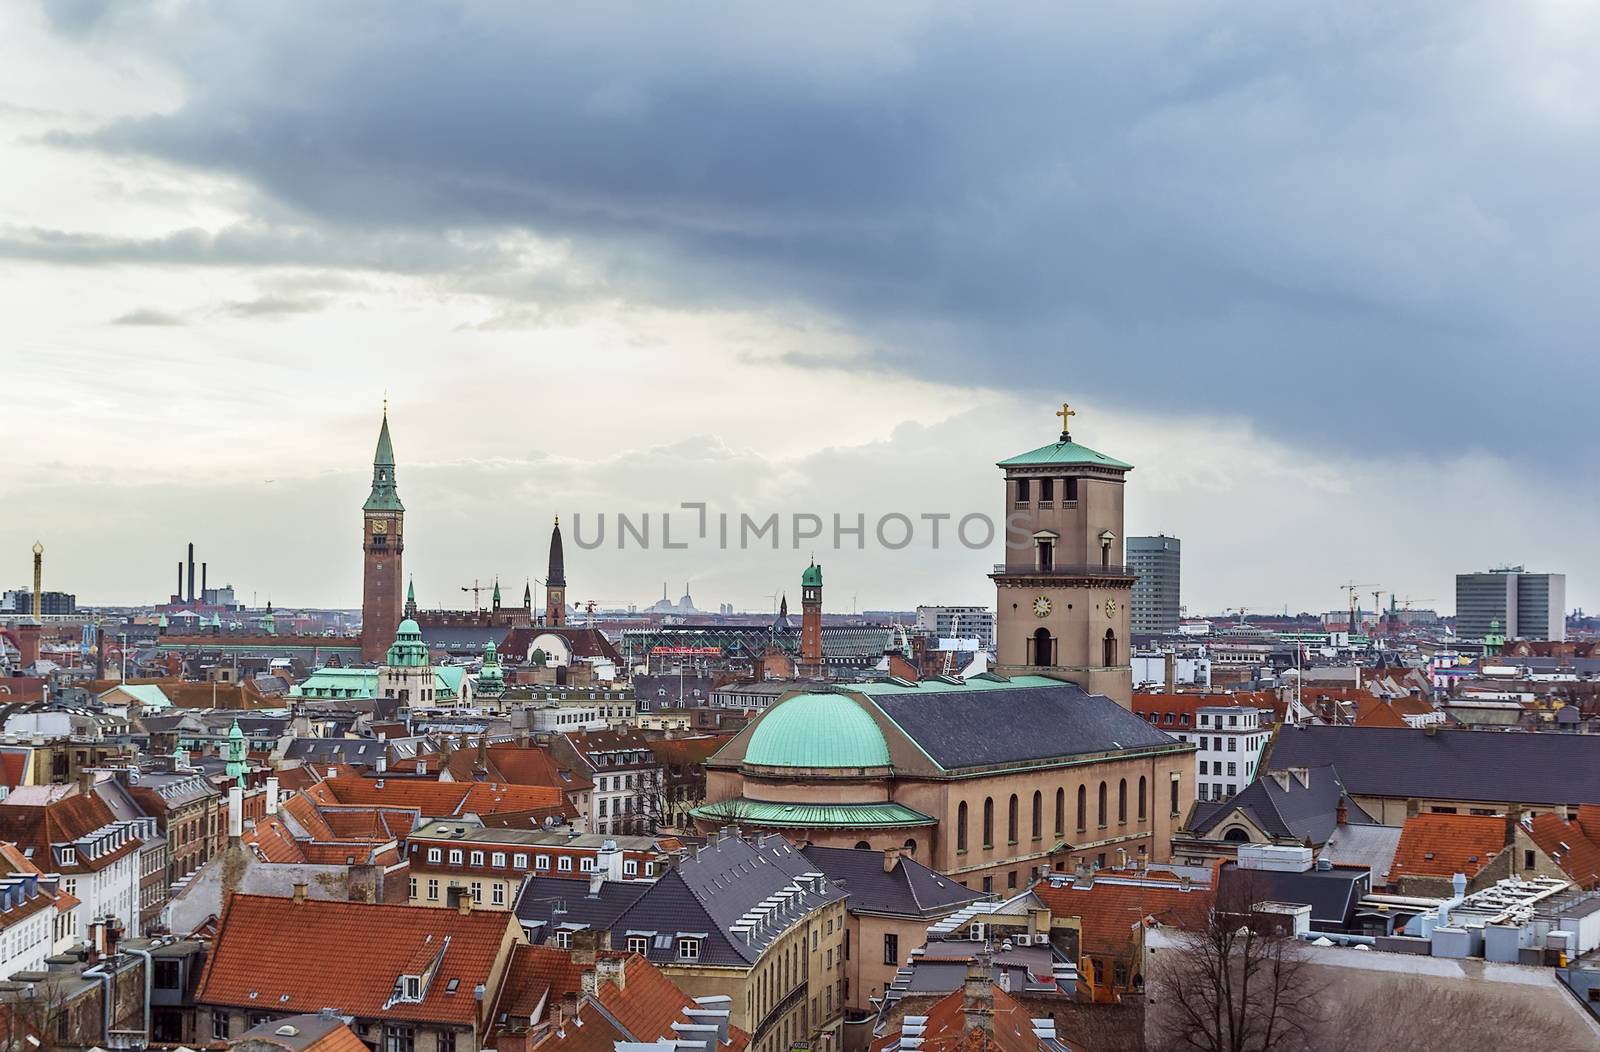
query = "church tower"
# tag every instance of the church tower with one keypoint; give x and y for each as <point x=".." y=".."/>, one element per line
<point x="811" y="663"/>
<point x="555" y="582"/>
<point x="382" y="522"/>
<point x="1062" y="595"/>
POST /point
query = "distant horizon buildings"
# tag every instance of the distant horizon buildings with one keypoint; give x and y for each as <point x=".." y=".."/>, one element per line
<point x="958" y="622"/>
<point x="1156" y="599"/>
<point x="1520" y="605"/>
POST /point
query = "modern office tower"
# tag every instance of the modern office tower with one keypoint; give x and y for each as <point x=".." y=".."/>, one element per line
<point x="1156" y="593"/>
<point x="1517" y="604"/>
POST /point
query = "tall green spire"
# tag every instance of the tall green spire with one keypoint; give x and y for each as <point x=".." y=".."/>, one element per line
<point x="383" y="496"/>
<point x="411" y="598"/>
<point x="496" y="598"/>
<point x="236" y="752"/>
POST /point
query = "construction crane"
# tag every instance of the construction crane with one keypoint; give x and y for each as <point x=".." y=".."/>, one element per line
<point x="1354" y="589"/>
<point x="475" y="588"/>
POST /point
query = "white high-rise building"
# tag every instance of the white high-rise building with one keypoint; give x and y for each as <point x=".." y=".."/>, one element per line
<point x="958" y="622"/>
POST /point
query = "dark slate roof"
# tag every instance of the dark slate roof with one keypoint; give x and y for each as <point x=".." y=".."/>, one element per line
<point x="910" y="889"/>
<point x="1332" y="894"/>
<point x="706" y="895"/>
<point x="1298" y="811"/>
<point x="357" y="751"/>
<point x="1513" y="766"/>
<point x="546" y="903"/>
<point x="962" y="727"/>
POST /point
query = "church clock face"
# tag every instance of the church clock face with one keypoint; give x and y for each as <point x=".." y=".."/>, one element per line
<point x="1111" y="608"/>
<point x="380" y="526"/>
<point x="1041" y="606"/>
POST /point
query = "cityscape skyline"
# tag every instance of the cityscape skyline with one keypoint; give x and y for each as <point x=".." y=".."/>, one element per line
<point x="1305" y="344"/>
<point x="712" y="562"/>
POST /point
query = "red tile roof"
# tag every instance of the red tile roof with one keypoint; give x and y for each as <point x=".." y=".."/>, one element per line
<point x="945" y="1029"/>
<point x="1375" y="712"/>
<point x="278" y="955"/>
<point x="437" y="799"/>
<point x="1574" y="846"/>
<point x="1111" y="910"/>
<point x="640" y="1005"/>
<point x="35" y="827"/>
<point x="1434" y="845"/>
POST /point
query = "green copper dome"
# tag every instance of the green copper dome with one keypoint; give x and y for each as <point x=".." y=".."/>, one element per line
<point x="408" y="649"/>
<point x="492" y="678"/>
<point x="812" y="577"/>
<point x="817" y="730"/>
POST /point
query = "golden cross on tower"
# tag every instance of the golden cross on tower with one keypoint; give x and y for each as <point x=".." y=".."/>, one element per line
<point x="1066" y="414"/>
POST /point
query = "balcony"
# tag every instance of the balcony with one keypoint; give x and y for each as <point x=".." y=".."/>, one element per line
<point x="1061" y="570"/>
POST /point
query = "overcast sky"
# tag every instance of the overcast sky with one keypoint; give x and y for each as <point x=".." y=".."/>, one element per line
<point x="1323" y="272"/>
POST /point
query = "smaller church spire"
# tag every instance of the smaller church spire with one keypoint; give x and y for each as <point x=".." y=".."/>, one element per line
<point x="411" y="598"/>
<point x="527" y="596"/>
<point x="494" y="600"/>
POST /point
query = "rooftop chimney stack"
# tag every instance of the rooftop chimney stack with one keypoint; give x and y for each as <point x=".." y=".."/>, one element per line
<point x="235" y="815"/>
<point x="202" y="582"/>
<point x="272" y="794"/>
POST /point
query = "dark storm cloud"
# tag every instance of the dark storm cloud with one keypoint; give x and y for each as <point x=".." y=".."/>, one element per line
<point x="1348" y="222"/>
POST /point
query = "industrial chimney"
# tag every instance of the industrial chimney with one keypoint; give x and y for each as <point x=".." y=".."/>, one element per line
<point x="202" y="582"/>
<point x="191" y="571"/>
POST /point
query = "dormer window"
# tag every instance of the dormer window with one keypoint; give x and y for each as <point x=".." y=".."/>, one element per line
<point x="688" y="949"/>
<point x="69" y="856"/>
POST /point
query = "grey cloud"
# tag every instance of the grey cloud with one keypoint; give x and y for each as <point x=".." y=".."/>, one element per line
<point x="275" y="306"/>
<point x="1345" y="223"/>
<point x="148" y="316"/>
<point x="253" y="245"/>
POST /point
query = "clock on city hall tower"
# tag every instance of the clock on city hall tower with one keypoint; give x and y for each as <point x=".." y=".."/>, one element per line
<point x="383" y="521"/>
<point x="1062" y="595"/>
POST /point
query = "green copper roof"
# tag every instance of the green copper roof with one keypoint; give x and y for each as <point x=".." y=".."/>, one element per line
<point x="408" y="650"/>
<point x="149" y="695"/>
<point x="385" y="453"/>
<point x="761" y="812"/>
<point x="812" y="577"/>
<point x="383" y="497"/>
<point x="817" y="730"/>
<point x="1063" y="453"/>
<point x="496" y="599"/>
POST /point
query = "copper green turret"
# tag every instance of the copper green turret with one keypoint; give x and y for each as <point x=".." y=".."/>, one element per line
<point x="383" y="497"/>
<point x="236" y="753"/>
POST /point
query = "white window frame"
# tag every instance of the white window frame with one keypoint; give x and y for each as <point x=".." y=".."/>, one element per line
<point x="542" y="862"/>
<point x="455" y="856"/>
<point x="476" y="859"/>
<point x="688" y="948"/>
<point x="519" y="861"/>
<point x="498" y="860"/>
<point x="564" y="864"/>
<point x="639" y="944"/>
<point x="434" y="854"/>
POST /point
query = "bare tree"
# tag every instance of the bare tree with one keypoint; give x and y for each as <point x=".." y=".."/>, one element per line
<point x="723" y="813"/>
<point x="1234" y="984"/>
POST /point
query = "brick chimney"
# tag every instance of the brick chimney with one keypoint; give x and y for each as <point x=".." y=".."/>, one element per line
<point x="977" y="995"/>
<point x="891" y="858"/>
<point x="1341" y="814"/>
<point x="300" y="892"/>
